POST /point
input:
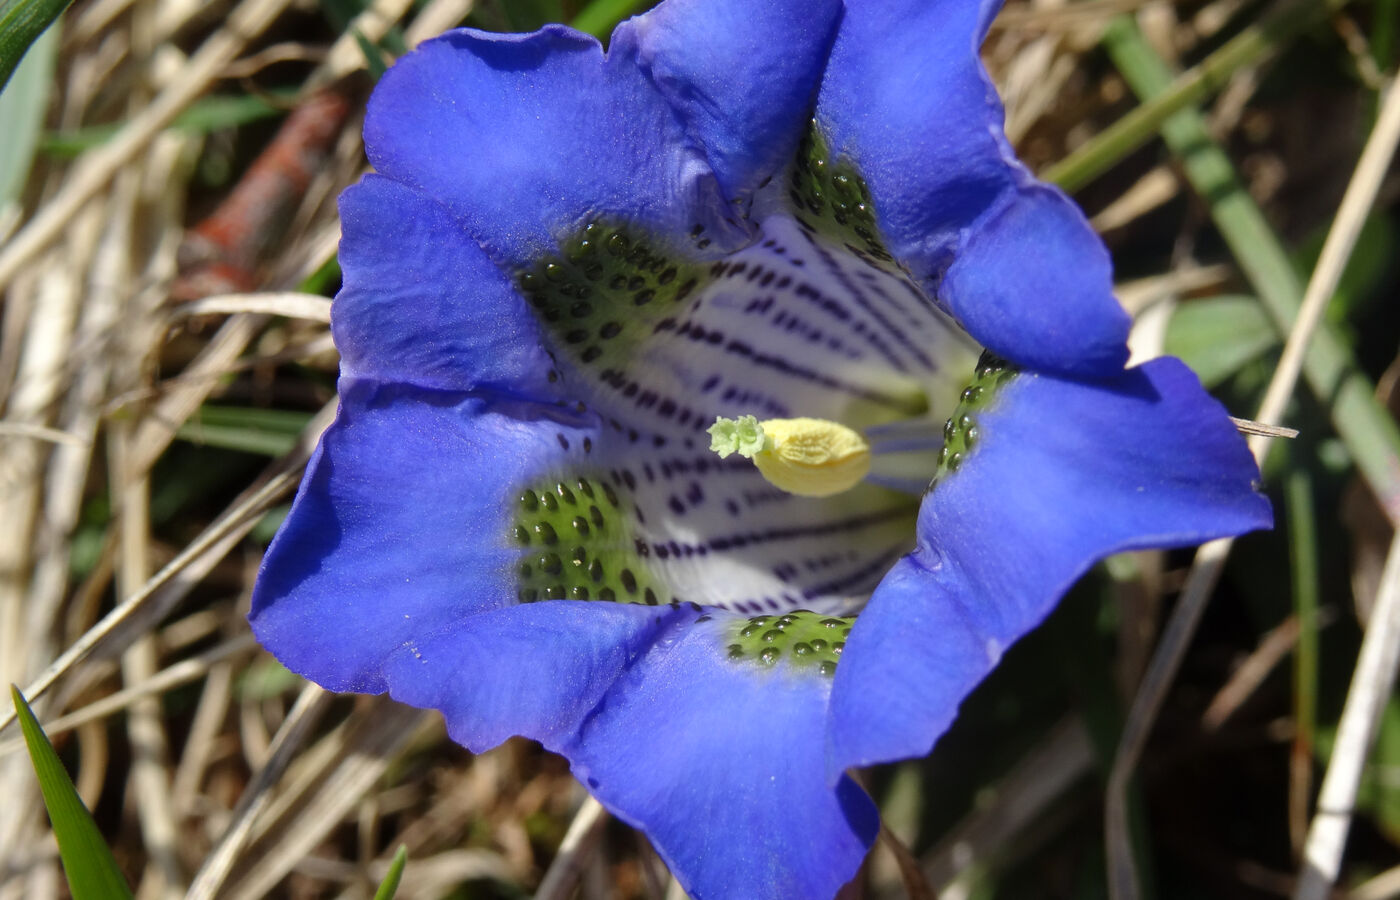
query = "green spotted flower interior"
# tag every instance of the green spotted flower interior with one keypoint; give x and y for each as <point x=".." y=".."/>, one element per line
<point x="961" y="431"/>
<point x="801" y="636"/>
<point x="578" y="545"/>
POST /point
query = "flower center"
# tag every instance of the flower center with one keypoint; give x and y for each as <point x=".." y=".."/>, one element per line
<point x="650" y="337"/>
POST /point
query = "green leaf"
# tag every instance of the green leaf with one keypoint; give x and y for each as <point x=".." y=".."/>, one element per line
<point x="92" y="872"/>
<point x="21" y="23"/>
<point x="22" y="107"/>
<point x="390" y="885"/>
<point x="1217" y="336"/>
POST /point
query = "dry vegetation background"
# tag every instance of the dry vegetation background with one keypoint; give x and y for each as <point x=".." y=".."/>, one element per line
<point x="165" y="366"/>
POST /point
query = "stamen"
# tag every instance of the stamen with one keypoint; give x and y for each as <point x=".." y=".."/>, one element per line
<point x="806" y="457"/>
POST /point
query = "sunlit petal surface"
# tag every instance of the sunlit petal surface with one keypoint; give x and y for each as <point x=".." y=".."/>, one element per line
<point x="569" y="265"/>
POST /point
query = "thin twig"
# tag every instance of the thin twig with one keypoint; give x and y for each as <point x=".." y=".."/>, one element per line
<point x="41" y="433"/>
<point x="303" y="715"/>
<point x="170" y="584"/>
<point x="193" y="385"/>
<point x="343" y="767"/>
<point x="1272" y="649"/>
<point x="1356" y="731"/>
<point x="182" y="672"/>
<point x="583" y="833"/>
<point x="290" y="304"/>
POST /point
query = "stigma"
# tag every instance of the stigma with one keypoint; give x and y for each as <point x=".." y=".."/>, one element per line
<point x="806" y="457"/>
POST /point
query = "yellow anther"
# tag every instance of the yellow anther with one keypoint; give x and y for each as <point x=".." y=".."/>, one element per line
<point x="807" y="457"/>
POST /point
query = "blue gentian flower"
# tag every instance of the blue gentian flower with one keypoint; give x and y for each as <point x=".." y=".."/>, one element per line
<point x="570" y="264"/>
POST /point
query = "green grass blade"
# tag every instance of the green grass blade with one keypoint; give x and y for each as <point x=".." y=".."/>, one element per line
<point x="1367" y="429"/>
<point x="1305" y="562"/>
<point x="1385" y="26"/>
<point x="1106" y="148"/>
<point x="209" y="114"/>
<point x="22" y="107"/>
<point x="390" y="885"/>
<point x="374" y="59"/>
<point x="92" y="872"/>
<point x="21" y="23"/>
<point x="266" y="432"/>
<point x="321" y="280"/>
<point x="599" y="17"/>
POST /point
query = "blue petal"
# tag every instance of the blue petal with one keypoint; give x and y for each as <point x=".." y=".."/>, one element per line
<point x="1032" y="282"/>
<point x="916" y="651"/>
<point x="398" y="530"/>
<point x="422" y="304"/>
<point x="722" y="764"/>
<point x="1065" y="473"/>
<point x="535" y="670"/>
<point x="905" y="97"/>
<point x="742" y="74"/>
<point x="525" y="138"/>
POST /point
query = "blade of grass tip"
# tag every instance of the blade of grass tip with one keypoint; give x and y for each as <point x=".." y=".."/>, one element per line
<point x="390" y="885"/>
<point x="1258" y="41"/>
<point x="1373" y="440"/>
<point x="92" y="872"/>
<point x="21" y="23"/>
<point x="599" y="17"/>
<point x="1303" y="557"/>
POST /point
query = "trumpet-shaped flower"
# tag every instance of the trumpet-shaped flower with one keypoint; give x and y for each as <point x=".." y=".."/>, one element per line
<point x="790" y="229"/>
